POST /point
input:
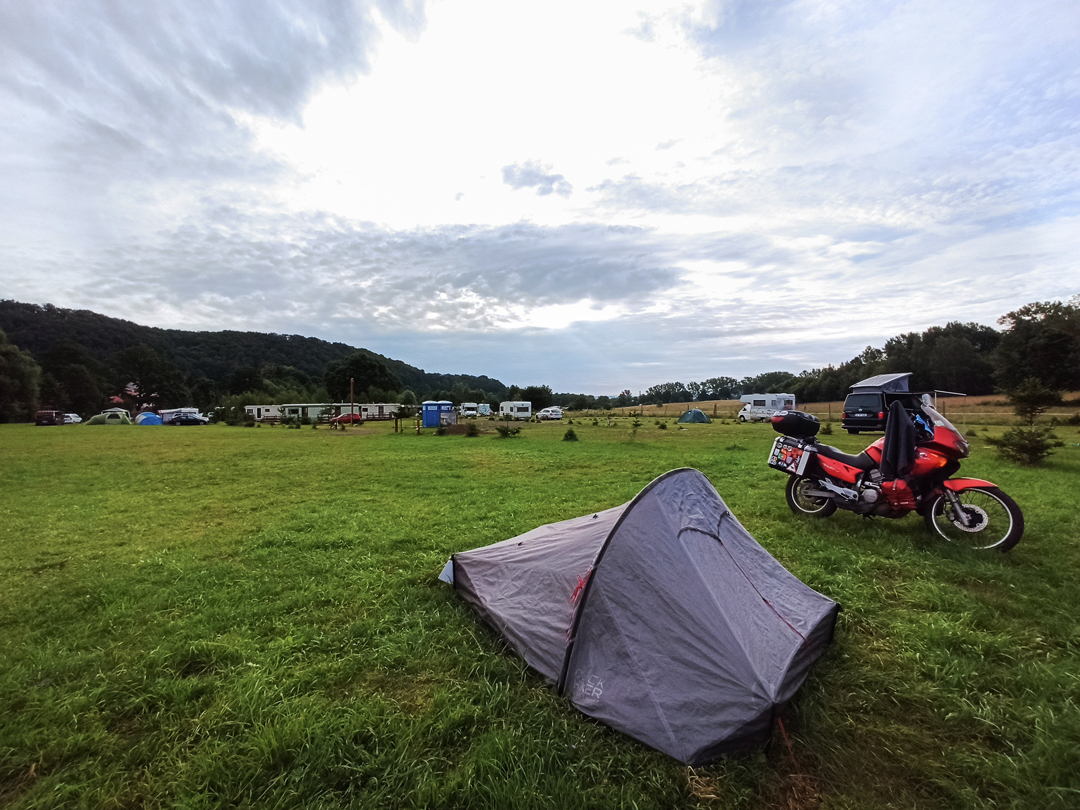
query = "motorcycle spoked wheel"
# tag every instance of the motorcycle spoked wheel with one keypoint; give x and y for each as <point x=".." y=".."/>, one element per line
<point x="802" y="504"/>
<point x="996" y="521"/>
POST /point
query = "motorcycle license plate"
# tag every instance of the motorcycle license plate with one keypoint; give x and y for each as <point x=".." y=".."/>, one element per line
<point x="788" y="455"/>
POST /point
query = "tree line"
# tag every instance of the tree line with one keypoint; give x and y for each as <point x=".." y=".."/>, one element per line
<point x="1038" y="341"/>
<point x="80" y="361"/>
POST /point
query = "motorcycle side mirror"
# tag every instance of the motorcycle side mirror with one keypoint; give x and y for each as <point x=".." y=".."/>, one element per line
<point x="926" y="400"/>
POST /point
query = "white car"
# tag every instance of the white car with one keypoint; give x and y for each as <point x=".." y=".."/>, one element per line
<point x="554" y="412"/>
<point x="72" y="419"/>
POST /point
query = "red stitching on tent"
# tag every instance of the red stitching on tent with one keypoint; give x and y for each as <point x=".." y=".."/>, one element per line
<point x="580" y="584"/>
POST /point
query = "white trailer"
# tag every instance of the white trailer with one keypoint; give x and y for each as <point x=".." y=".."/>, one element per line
<point x="761" y="407"/>
<point x="515" y="409"/>
<point x="262" y="412"/>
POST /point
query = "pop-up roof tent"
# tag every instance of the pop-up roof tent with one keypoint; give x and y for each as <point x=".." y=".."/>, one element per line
<point x="694" y="415"/>
<point x="892" y="383"/>
<point x="662" y="617"/>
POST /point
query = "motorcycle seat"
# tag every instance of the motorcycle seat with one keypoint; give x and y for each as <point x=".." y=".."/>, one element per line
<point x="860" y="462"/>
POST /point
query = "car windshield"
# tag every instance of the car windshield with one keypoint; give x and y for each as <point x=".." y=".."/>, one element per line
<point x="868" y="401"/>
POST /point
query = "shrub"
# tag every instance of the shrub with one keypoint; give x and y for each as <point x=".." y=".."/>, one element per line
<point x="1031" y="398"/>
<point x="440" y="430"/>
<point x="507" y="432"/>
<point x="570" y="436"/>
<point x="663" y="426"/>
<point x="472" y="429"/>
<point x="826" y="429"/>
<point x="1029" y="445"/>
<point x="1026" y="445"/>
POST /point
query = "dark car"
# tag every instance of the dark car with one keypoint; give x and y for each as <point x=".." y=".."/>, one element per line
<point x="186" y="419"/>
<point x="867" y="406"/>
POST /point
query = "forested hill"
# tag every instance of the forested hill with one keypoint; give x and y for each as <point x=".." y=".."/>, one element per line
<point x="216" y="356"/>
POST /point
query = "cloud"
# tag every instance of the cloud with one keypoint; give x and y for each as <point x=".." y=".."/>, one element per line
<point x="101" y="97"/>
<point x="756" y="184"/>
<point x="536" y="175"/>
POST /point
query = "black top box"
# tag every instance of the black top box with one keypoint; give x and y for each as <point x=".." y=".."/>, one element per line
<point x="796" y="423"/>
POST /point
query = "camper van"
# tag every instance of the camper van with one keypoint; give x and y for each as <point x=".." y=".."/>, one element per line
<point x="468" y="409"/>
<point x="761" y="407"/>
<point x="515" y="409"/>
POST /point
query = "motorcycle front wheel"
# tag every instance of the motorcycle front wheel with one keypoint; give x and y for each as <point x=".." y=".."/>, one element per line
<point x="803" y="504"/>
<point x="994" y="520"/>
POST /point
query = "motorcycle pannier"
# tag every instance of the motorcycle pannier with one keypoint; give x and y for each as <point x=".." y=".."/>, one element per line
<point x="790" y="455"/>
<point x="796" y="423"/>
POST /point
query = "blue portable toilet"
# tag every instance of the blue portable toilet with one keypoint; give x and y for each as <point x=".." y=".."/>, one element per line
<point x="431" y="413"/>
<point x="447" y="407"/>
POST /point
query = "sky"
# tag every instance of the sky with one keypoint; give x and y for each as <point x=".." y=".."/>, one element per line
<point x="592" y="195"/>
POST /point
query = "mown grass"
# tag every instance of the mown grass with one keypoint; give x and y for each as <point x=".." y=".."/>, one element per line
<point x="251" y="617"/>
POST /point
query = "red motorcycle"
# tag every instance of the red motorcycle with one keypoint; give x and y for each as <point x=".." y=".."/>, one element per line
<point x="909" y="469"/>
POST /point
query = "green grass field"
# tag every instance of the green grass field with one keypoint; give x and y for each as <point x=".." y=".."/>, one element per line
<point x="250" y="617"/>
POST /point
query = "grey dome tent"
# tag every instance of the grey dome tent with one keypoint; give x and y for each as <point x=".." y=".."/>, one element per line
<point x="694" y="415"/>
<point x="662" y="618"/>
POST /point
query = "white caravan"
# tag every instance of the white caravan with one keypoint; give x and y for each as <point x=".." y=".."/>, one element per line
<point x="515" y="409"/>
<point x="467" y="409"/>
<point x="761" y="407"/>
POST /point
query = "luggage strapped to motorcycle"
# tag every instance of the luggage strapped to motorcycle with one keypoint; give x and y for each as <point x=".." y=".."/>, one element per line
<point x="790" y="454"/>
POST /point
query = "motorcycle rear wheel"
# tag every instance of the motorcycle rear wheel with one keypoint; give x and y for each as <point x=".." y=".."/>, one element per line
<point x="802" y="504"/>
<point x="996" y="521"/>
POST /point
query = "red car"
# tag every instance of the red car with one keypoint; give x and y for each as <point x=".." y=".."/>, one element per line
<point x="348" y="418"/>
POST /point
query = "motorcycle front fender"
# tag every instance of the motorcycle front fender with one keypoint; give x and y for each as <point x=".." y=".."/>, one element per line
<point x="960" y="484"/>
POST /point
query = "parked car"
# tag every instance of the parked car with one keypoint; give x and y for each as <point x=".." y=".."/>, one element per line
<point x="866" y="408"/>
<point x="187" y="419"/>
<point x="554" y="412"/>
<point x="49" y="418"/>
<point x="72" y="419"/>
<point x="348" y="419"/>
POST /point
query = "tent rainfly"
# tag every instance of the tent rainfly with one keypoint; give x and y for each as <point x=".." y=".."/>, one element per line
<point x="662" y="618"/>
<point x="694" y="415"/>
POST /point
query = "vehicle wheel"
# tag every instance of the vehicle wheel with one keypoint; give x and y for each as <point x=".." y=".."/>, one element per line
<point x="996" y="521"/>
<point x="852" y="432"/>
<point x="802" y="504"/>
<point x="742" y="418"/>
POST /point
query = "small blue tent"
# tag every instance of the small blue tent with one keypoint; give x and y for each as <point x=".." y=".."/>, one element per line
<point x="147" y="418"/>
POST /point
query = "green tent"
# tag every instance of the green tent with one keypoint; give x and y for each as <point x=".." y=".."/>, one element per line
<point x="110" y="417"/>
<point x="694" y="415"/>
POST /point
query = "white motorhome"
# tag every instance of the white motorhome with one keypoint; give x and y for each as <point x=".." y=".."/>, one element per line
<point x="760" y="407"/>
<point x="483" y="409"/>
<point x="468" y="409"/>
<point x="515" y="409"/>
